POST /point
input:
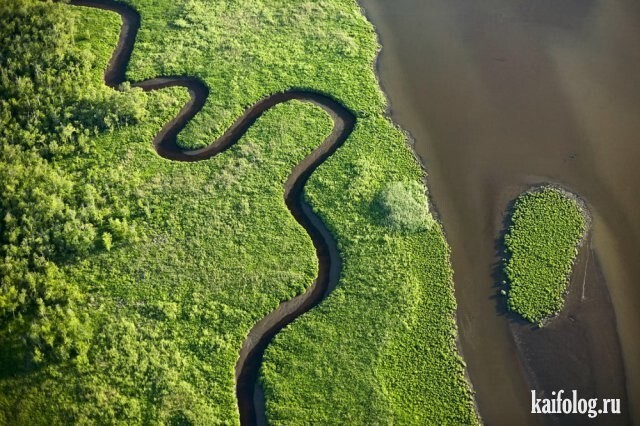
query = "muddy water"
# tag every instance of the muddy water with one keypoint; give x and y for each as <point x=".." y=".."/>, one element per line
<point x="501" y="94"/>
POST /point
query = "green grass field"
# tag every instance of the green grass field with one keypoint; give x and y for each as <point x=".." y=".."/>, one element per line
<point x="129" y="282"/>
<point x="542" y="242"/>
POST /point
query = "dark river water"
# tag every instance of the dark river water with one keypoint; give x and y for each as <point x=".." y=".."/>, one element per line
<point x="503" y="94"/>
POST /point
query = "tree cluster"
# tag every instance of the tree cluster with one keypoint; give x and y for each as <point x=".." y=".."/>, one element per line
<point x="51" y="214"/>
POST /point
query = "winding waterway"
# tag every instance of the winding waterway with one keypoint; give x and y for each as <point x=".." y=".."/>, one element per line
<point x="502" y="94"/>
<point x="250" y="401"/>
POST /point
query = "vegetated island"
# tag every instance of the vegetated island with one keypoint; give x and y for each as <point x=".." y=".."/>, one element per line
<point x="129" y="282"/>
<point x="548" y="224"/>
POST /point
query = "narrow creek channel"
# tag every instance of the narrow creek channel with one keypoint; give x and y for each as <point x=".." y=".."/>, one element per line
<point x="500" y="95"/>
<point x="251" y="404"/>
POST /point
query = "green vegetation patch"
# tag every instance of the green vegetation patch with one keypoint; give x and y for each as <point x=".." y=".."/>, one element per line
<point x="542" y="243"/>
<point x="403" y="207"/>
<point x="382" y="346"/>
<point x="129" y="282"/>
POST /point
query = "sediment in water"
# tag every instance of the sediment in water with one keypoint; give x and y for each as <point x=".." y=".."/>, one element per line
<point x="477" y="85"/>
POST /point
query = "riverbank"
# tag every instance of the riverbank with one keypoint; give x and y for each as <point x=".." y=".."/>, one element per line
<point x="479" y="89"/>
<point x="546" y="225"/>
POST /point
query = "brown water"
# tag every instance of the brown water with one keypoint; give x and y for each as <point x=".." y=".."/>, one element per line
<point x="501" y="94"/>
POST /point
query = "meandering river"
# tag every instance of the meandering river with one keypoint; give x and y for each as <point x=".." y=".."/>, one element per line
<point x="503" y="94"/>
<point x="250" y="398"/>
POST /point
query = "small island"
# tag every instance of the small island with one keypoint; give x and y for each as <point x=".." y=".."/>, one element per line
<point x="547" y="226"/>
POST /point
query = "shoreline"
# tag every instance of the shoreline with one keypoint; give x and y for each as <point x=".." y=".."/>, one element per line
<point x="597" y="372"/>
<point x="508" y="221"/>
<point x="520" y="363"/>
<point x="569" y="351"/>
<point x="433" y="208"/>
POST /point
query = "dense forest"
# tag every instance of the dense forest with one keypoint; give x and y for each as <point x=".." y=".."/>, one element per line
<point x="60" y="203"/>
<point x="52" y="215"/>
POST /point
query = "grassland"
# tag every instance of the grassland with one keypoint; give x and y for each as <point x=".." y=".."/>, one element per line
<point x="542" y="243"/>
<point x="140" y="316"/>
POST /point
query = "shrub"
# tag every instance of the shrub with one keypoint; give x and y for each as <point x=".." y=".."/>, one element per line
<point x="403" y="207"/>
<point x="52" y="215"/>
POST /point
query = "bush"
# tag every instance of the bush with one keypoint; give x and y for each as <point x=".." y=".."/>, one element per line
<point x="403" y="207"/>
<point x="50" y="214"/>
